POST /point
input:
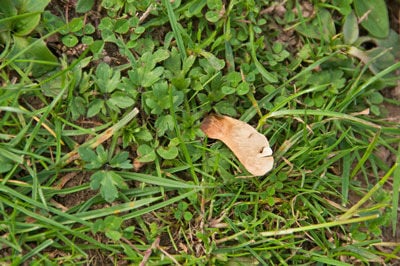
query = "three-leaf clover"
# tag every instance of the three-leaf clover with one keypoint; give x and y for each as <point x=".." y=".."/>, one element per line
<point x="111" y="226"/>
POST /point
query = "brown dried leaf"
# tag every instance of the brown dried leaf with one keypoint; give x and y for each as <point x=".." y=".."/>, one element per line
<point x="249" y="146"/>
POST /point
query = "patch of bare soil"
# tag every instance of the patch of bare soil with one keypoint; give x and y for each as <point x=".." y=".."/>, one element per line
<point x="73" y="179"/>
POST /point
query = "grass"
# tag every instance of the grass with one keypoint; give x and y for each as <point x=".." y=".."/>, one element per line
<point x="102" y="160"/>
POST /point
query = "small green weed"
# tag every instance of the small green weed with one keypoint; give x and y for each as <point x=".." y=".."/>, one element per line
<point x="107" y="180"/>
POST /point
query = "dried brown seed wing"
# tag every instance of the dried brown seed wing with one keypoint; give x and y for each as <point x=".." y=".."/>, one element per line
<point x="249" y="146"/>
<point x="259" y="166"/>
<point x="215" y="126"/>
<point x="252" y="149"/>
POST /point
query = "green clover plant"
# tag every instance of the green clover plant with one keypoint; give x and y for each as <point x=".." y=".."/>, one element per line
<point x="108" y="181"/>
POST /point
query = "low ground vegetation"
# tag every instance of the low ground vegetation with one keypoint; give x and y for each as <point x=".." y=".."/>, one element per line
<point x="102" y="160"/>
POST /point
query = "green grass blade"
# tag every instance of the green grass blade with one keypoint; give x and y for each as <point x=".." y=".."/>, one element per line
<point x="159" y="205"/>
<point x="366" y="155"/>
<point x="318" y="226"/>
<point x="175" y="28"/>
<point x="332" y="114"/>
<point x="268" y="76"/>
<point x="395" y="196"/>
<point x="37" y="249"/>
<point x="158" y="181"/>
<point x="368" y="195"/>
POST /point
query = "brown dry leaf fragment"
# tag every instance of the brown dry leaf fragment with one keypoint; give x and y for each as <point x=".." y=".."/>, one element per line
<point x="250" y="147"/>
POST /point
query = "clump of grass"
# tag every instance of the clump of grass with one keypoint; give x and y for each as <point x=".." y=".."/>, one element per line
<point x="102" y="158"/>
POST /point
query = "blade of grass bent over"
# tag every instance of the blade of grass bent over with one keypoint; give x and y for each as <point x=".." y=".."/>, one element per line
<point x="368" y="195"/>
<point x="50" y="223"/>
<point x="318" y="226"/>
<point x="366" y="155"/>
<point x="93" y="143"/>
<point x="327" y="113"/>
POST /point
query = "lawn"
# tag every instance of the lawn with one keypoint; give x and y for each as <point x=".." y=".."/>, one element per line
<point x="104" y="159"/>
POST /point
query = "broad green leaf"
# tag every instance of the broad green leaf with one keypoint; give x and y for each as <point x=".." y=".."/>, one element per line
<point x="163" y="124"/>
<point x="213" y="16"/>
<point x="120" y="157"/>
<point x="106" y="78"/>
<point x="121" y="100"/>
<point x="94" y="107"/>
<point x="160" y="89"/>
<point x="23" y="26"/>
<point x="177" y="98"/>
<point x="102" y="154"/>
<point x="146" y="153"/>
<point x="168" y="153"/>
<point x="375" y="18"/>
<point x="83" y="6"/>
<point x="188" y="216"/>
<point x="151" y="77"/>
<point x="214" y="4"/>
<point x="322" y="27"/>
<point x="160" y="55"/>
<point x="121" y="26"/>
<point x="225" y="108"/>
<point x="7" y="10"/>
<point x="277" y="47"/>
<point x="153" y="105"/>
<point x="243" y="88"/>
<point x="188" y="63"/>
<point x="98" y="226"/>
<point x="70" y="40"/>
<point x="97" y="47"/>
<point x="195" y="7"/>
<point x="173" y="63"/>
<point x="216" y="63"/>
<point x="121" y="161"/>
<point x="344" y="6"/>
<point x="5" y="161"/>
<point x="96" y="180"/>
<point x="77" y="107"/>
<point x="234" y="78"/>
<point x="33" y="5"/>
<point x="376" y="98"/>
<point x="375" y="110"/>
<point x="380" y="59"/>
<point x="108" y="182"/>
<point x="350" y="28"/>
<point x="113" y="235"/>
<point x="87" y="154"/>
<point x="76" y="24"/>
<point x="89" y="28"/>
<point x="144" y="134"/>
<point x="139" y="30"/>
<point x="45" y="60"/>
<point x="113" y="222"/>
<point x="93" y="160"/>
<point x="227" y="90"/>
<point x="5" y="167"/>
